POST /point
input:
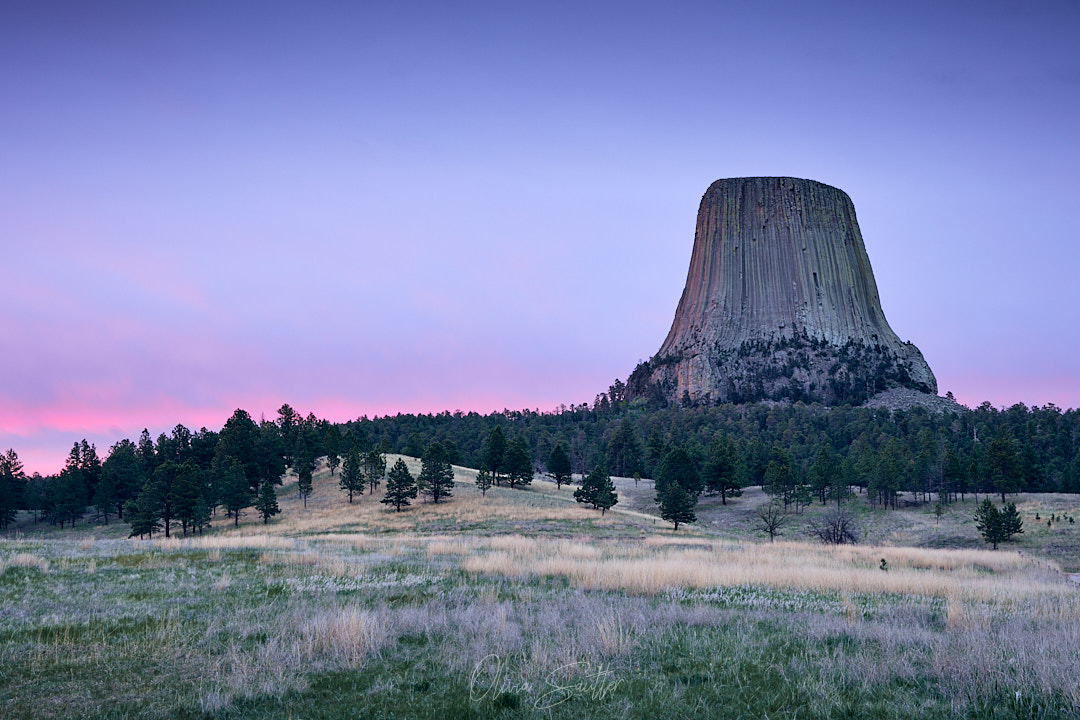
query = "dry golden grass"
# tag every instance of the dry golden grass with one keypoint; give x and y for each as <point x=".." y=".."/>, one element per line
<point x="28" y="560"/>
<point x="232" y="541"/>
<point x="658" y="565"/>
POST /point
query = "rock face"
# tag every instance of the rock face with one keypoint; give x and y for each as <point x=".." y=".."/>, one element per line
<point x="780" y="303"/>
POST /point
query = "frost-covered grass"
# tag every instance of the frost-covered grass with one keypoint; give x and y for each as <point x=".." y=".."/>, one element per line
<point x="337" y="625"/>
<point x="523" y="604"/>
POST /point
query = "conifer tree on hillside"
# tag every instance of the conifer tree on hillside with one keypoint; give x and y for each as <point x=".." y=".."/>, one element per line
<point x="518" y="464"/>
<point x="143" y="512"/>
<point x="267" y="504"/>
<point x="676" y="504"/>
<point x="483" y="480"/>
<point x="494" y="451"/>
<point x="12" y="487"/>
<point x="558" y="466"/>
<point x="677" y="487"/>
<point x="722" y="469"/>
<point x="598" y="490"/>
<point x="235" y="490"/>
<point x="400" y="486"/>
<point x="374" y="469"/>
<point x="352" y="474"/>
<point x="436" y="479"/>
<point x="997" y="526"/>
<point x="304" y="464"/>
<point x="332" y="442"/>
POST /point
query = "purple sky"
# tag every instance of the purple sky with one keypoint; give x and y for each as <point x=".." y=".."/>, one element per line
<point x="356" y="210"/>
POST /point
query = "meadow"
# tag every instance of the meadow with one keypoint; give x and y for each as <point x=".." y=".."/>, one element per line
<point x="525" y="604"/>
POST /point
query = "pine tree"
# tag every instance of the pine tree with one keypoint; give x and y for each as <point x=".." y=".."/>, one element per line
<point x="483" y="480"/>
<point x="518" y="464"/>
<point x="200" y="519"/>
<point x="722" y="470"/>
<point x="495" y="451"/>
<point x="1011" y="522"/>
<point x="436" y="479"/>
<point x="123" y="469"/>
<point x="69" y="502"/>
<point x="558" y="466"/>
<point x="143" y="512"/>
<point x="332" y="441"/>
<point x="677" y="487"/>
<point x="996" y="525"/>
<point x="352" y="474"/>
<point x="598" y="490"/>
<point x="676" y="504"/>
<point x="235" y="490"/>
<point x="12" y="487"/>
<point x="105" y="497"/>
<point x="188" y="487"/>
<point x="304" y="464"/>
<point x="267" y="504"/>
<point x="374" y="469"/>
<point x="400" y="486"/>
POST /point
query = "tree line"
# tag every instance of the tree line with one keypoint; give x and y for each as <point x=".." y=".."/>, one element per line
<point x="801" y="452"/>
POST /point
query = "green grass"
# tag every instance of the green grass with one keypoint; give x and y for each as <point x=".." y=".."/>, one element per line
<point x="318" y="626"/>
<point x="124" y="629"/>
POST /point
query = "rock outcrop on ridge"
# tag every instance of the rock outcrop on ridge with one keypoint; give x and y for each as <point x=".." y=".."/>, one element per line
<point x="780" y="303"/>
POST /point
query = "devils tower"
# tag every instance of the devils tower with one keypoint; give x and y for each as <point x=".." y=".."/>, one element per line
<point x="780" y="303"/>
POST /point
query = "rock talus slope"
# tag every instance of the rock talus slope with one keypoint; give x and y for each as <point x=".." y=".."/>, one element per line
<point x="780" y="303"/>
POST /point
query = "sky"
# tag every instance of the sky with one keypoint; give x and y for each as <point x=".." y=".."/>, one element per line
<point x="367" y="208"/>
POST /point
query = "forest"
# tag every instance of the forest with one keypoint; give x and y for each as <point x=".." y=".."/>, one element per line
<point x="895" y="457"/>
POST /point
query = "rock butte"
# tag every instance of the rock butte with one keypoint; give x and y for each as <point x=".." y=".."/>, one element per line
<point x="780" y="303"/>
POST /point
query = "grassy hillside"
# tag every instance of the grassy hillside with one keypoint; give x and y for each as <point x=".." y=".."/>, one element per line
<point x="524" y="604"/>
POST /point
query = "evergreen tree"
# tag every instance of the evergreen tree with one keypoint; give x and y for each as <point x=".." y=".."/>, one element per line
<point x="147" y="456"/>
<point x="304" y="464"/>
<point x="267" y="504"/>
<point x="105" y="497"/>
<point x="722" y="469"/>
<point x="269" y="454"/>
<point x="189" y="485"/>
<point x="678" y="467"/>
<point x="352" y="474"/>
<point x="201" y="517"/>
<point x="518" y="464"/>
<point x="238" y="440"/>
<point x="483" y="480"/>
<point x="780" y="480"/>
<point x="374" y="469"/>
<point x="165" y="480"/>
<point x="823" y="472"/>
<point x="143" y="512"/>
<point x="1011" y="522"/>
<point x="90" y="465"/>
<point x="624" y="449"/>
<point x="332" y="443"/>
<point x="558" y="465"/>
<point x="995" y="525"/>
<point x="676" y="504"/>
<point x="494" y="451"/>
<point x="677" y="487"/>
<point x="12" y="487"/>
<point x="1002" y="467"/>
<point x="69" y="503"/>
<point x="436" y="478"/>
<point x="235" y="489"/>
<point x="123" y="470"/>
<point x="400" y="486"/>
<point x="598" y="490"/>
